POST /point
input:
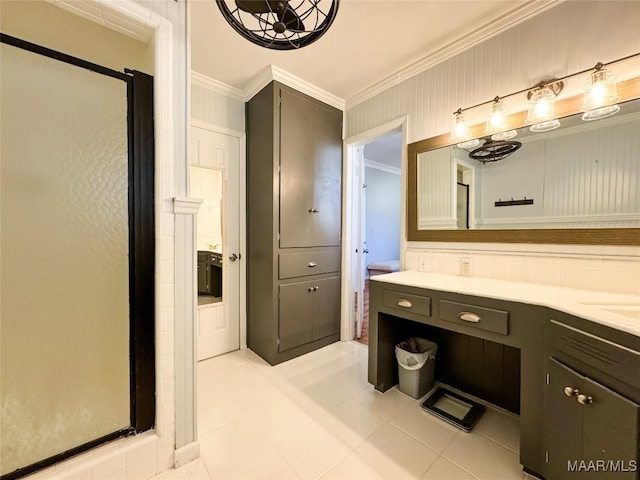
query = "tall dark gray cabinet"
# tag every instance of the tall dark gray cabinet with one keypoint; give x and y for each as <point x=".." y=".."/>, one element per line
<point x="294" y="191"/>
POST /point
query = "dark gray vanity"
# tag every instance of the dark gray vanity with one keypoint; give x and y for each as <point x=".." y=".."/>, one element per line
<point x="575" y="383"/>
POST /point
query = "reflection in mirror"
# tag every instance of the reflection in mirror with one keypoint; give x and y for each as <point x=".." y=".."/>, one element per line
<point x="206" y="183"/>
<point x="582" y="175"/>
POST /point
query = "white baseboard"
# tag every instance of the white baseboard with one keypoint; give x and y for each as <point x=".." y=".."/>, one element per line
<point x="186" y="454"/>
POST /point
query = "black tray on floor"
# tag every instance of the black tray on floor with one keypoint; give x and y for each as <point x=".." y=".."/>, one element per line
<point x="453" y="408"/>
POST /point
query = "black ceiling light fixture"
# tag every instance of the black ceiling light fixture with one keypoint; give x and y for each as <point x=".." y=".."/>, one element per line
<point x="280" y="24"/>
<point x="494" y="150"/>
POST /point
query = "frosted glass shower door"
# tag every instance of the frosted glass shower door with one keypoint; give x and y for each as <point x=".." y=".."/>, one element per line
<point x="64" y="257"/>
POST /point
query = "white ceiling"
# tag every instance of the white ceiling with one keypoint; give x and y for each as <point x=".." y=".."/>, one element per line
<point x="369" y="41"/>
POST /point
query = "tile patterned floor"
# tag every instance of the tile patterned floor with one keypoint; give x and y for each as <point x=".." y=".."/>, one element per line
<point x="316" y="417"/>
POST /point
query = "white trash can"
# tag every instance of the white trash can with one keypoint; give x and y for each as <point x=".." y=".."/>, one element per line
<point x="416" y="365"/>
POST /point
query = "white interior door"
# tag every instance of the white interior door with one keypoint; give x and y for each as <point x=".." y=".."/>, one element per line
<point x="215" y="178"/>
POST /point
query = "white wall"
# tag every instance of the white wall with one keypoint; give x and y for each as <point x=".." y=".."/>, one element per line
<point x="382" y="215"/>
<point x="216" y="108"/>
<point x="560" y="41"/>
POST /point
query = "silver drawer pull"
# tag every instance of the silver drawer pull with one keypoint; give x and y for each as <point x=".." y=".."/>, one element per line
<point x="404" y="303"/>
<point x="469" y="317"/>
<point x="312" y="264"/>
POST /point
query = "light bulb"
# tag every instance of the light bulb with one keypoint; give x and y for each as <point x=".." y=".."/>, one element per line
<point x="497" y="120"/>
<point x="460" y="131"/>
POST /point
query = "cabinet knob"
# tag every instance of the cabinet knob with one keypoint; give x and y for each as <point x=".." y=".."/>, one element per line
<point x="312" y="264"/>
<point x="585" y="399"/>
<point x="313" y="210"/>
<point x="570" y="391"/>
<point x="315" y="289"/>
<point x="310" y="289"/>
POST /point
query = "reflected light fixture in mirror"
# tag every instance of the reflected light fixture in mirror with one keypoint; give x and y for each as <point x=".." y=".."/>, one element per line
<point x="600" y="94"/>
<point x="542" y="107"/>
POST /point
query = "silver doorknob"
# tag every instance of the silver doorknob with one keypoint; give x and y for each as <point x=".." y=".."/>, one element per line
<point x="233" y="257"/>
<point x="585" y="399"/>
<point x="570" y="391"/>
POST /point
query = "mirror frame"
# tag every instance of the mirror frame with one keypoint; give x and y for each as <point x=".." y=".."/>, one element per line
<point x="627" y="90"/>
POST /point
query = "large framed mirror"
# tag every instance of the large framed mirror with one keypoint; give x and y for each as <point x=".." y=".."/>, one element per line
<point x="577" y="184"/>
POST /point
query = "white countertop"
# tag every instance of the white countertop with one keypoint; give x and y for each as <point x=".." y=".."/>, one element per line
<point x="619" y="311"/>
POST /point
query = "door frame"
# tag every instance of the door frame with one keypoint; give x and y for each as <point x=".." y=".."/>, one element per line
<point x="242" y="138"/>
<point x="350" y="224"/>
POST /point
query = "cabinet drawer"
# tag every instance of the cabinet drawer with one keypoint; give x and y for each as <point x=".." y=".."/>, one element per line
<point x="615" y="360"/>
<point x="484" y="318"/>
<point x="300" y="264"/>
<point x="408" y="303"/>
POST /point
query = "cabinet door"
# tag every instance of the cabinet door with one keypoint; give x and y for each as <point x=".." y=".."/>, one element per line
<point x="295" y="315"/>
<point x="326" y="307"/>
<point x="610" y="431"/>
<point x="310" y="172"/>
<point x="563" y="422"/>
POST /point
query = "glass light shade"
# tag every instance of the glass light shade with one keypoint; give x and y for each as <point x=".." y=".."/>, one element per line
<point x="497" y="121"/>
<point x="469" y="143"/>
<point x="541" y="106"/>
<point x="504" y="135"/>
<point x="602" y="112"/>
<point x="600" y="91"/>
<point x="545" y="126"/>
<point x="460" y="131"/>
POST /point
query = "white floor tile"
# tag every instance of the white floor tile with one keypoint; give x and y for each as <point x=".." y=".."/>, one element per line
<point x="483" y="458"/>
<point x="388" y="404"/>
<point x="394" y="454"/>
<point x="316" y="416"/>
<point x="433" y="432"/>
<point x="311" y="450"/>
<point x="267" y="465"/>
<point x="353" y="467"/>
<point x="351" y="422"/>
<point x="276" y="419"/>
<point x="501" y="428"/>
<point x="443" y="469"/>
<point x="227" y="447"/>
<point x="195" y="470"/>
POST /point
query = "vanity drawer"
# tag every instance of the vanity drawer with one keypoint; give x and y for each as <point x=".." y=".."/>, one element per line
<point x="300" y="264"/>
<point x="406" y="302"/>
<point x="618" y="361"/>
<point x="489" y="319"/>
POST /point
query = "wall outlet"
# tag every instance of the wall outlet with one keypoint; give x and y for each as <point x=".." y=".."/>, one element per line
<point x="424" y="263"/>
<point x="465" y="267"/>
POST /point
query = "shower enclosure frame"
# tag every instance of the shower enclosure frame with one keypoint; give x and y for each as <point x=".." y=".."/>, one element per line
<point x="141" y="221"/>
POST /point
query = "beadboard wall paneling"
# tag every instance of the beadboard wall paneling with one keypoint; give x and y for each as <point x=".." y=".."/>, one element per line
<point x="435" y="207"/>
<point x="560" y="41"/>
<point x="217" y="109"/>
<point x="563" y="40"/>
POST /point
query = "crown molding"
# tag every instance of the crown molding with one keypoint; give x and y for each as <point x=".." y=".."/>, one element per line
<point x="303" y="86"/>
<point x="258" y="82"/>
<point x="278" y="74"/>
<point x="217" y="86"/>
<point x="381" y="166"/>
<point x="464" y="42"/>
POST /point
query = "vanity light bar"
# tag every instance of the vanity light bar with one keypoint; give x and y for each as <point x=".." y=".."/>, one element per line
<point x="599" y="101"/>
